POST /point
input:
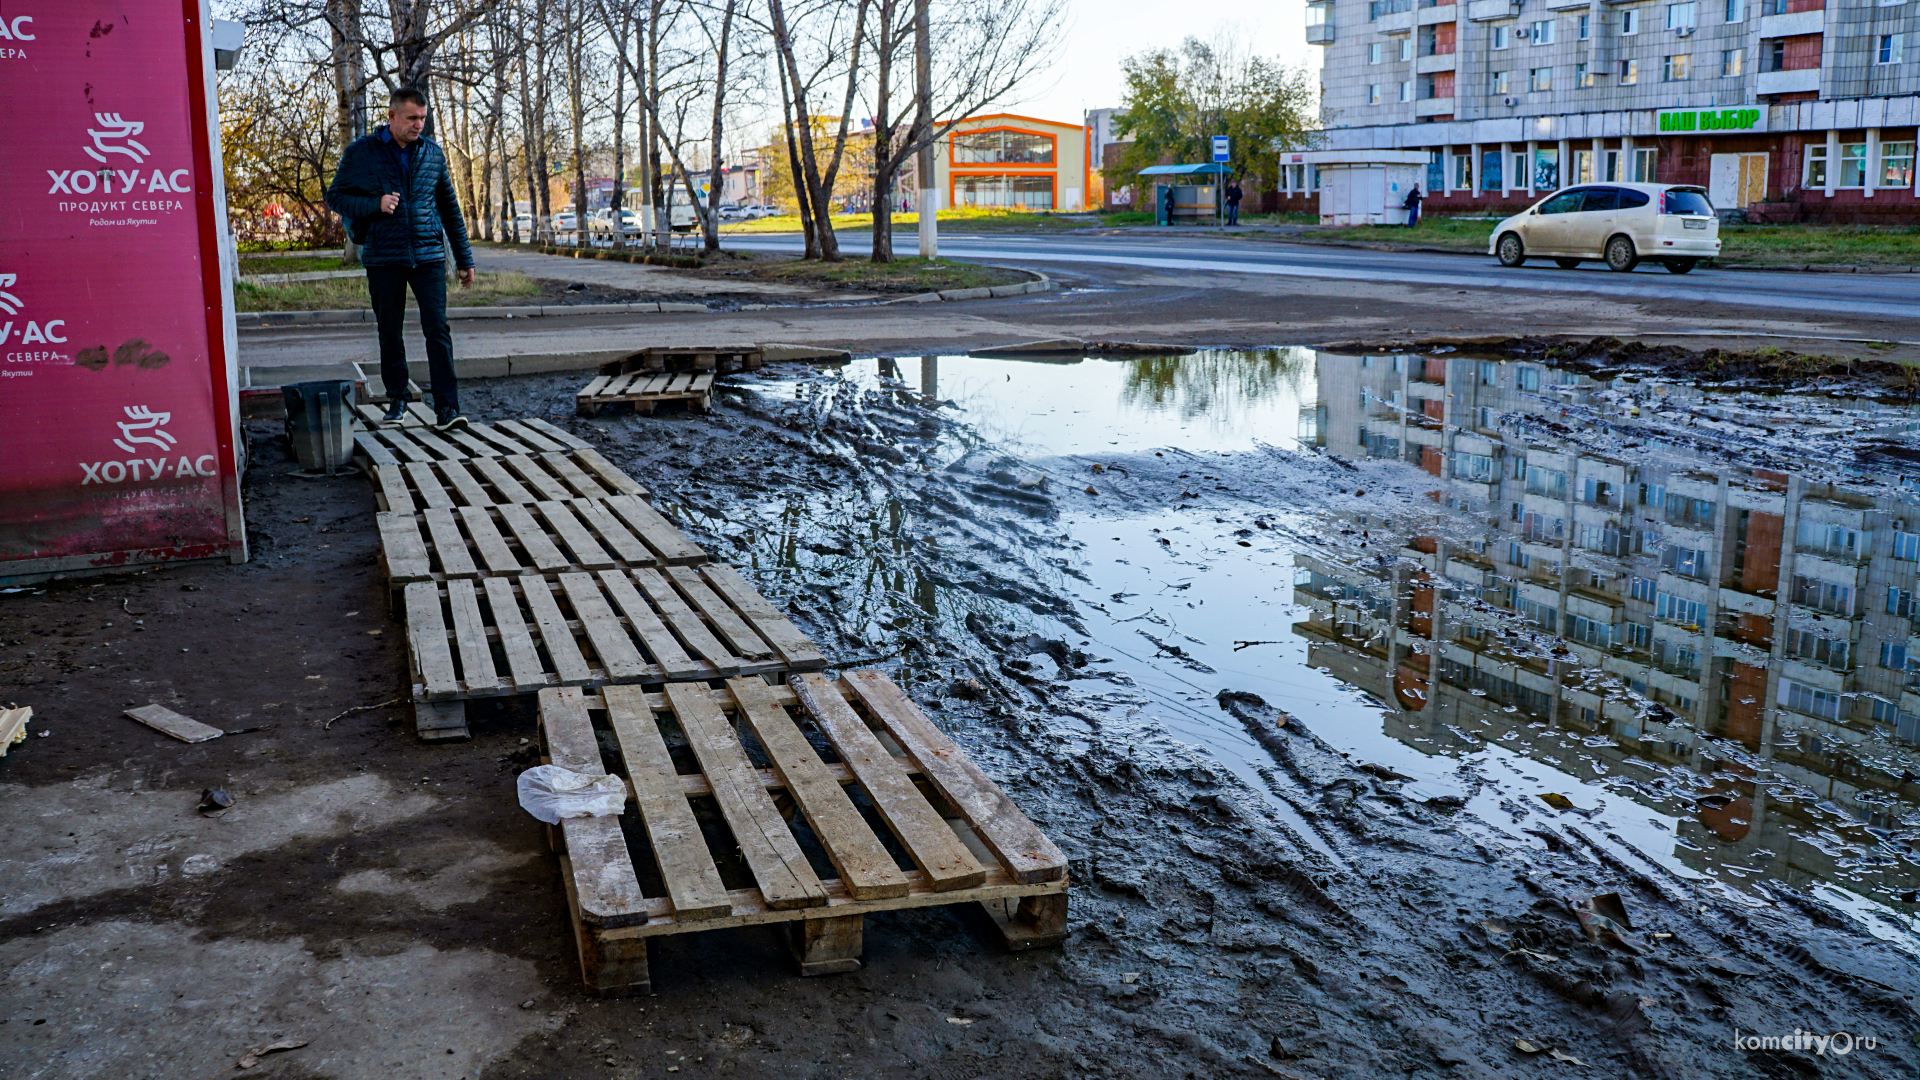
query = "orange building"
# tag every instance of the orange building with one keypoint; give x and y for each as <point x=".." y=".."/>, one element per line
<point x="1007" y="161"/>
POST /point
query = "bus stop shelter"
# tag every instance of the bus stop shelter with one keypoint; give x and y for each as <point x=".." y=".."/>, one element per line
<point x="1196" y="192"/>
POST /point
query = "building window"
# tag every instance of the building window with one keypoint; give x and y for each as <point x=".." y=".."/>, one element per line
<point x="1639" y="635"/>
<point x="1002" y="148"/>
<point x="1896" y="171"/>
<point x="1592" y="631"/>
<point x="1497" y="82"/>
<point x="1813" y="702"/>
<point x="1406" y="90"/>
<point x="1777" y="55"/>
<point x="1582" y="161"/>
<point x="1675" y="68"/>
<point x="1463" y="171"/>
<point x="1685" y="15"/>
<point x="1670" y="608"/>
<point x="1643" y="160"/>
<point x="1373" y="93"/>
<point x="1539" y="79"/>
<point x="1893" y="656"/>
<point x="1023" y="192"/>
<point x="1528" y="378"/>
<point x="1906" y="545"/>
<point x="1543" y="32"/>
<point x="1640" y="588"/>
<point x="1582" y="77"/>
<point x="1501" y="37"/>
<point x="1629" y="74"/>
<point x="1406" y="48"/>
<point x="1892" y="49"/>
<point x="1853" y="165"/>
<point x="1375" y="52"/>
<point x="1736" y="11"/>
<point x="1586" y="27"/>
<point x="1629" y="23"/>
<point x="1733" y="63"/>
<point x="1816" y="167"/>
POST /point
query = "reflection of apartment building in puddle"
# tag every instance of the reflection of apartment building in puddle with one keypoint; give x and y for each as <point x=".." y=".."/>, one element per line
<point x="1615" y="571"/>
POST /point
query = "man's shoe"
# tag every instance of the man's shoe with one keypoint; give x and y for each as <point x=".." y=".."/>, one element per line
<point x="396" y="412"/>
<point x="450" y="420"/>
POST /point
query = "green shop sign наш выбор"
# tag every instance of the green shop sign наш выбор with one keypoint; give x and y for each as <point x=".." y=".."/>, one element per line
<point x="1712" y="120"/>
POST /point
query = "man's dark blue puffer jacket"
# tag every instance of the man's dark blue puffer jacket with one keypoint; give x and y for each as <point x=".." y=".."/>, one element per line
<point x="410" y="236"/>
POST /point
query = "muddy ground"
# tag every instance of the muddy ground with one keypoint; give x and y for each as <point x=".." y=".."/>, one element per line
<point x="390" y="904"/>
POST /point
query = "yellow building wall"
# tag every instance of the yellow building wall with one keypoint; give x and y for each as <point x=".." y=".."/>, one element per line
<point x="1016" y="181"/>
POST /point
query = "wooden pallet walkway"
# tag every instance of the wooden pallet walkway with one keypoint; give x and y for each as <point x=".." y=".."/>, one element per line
<point x="416" y="441"/>
<point x="717" y="359"/>
<point x="899" y="818"/>
<point x="545" y="537"/>
<point x="369" y="376"/>
<point x="497" y="636"/>
<point x="644" y="392"/>
<point x="515" y="479"/>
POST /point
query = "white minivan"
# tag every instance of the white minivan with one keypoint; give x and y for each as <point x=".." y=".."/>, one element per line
<point x="1619" y="224"/>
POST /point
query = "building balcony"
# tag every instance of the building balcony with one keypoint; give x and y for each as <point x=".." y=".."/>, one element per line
<point x="1787" y="82"/>
<point x="1321" y="34"/>
<point x="1428" y="14"/>
<point x="1434" y="106"/>
<point x="1427" y="65"/>
<point x="1793" y="25"/>
<point x="1487" y="10"/>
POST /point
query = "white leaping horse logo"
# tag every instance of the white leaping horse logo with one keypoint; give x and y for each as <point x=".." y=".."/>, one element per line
<point x="9" y="303"/>
<point x="116" y="128"/>
<point x="145" y="428"/>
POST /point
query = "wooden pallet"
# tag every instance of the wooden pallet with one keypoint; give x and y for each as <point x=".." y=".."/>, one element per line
<point x="405" y="487"/>
<point x="899" y="818"/>
<point x="512" y="539"/>
<point x="644" y="391"/>
<point x="373" y="386"/>
<point x="413" y="441"/>
<point x="718" y="359"/>
<point x="13" y="726"/>
<point x="497" y="636"/>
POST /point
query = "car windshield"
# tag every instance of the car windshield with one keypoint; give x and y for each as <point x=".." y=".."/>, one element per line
<point x="1685" y="202"/>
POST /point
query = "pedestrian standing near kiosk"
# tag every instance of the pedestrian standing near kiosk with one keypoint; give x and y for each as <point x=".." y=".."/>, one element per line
<point x="1412" y="206"/>
<point x="1234" y="195"/>
<point x="393" y="189"/>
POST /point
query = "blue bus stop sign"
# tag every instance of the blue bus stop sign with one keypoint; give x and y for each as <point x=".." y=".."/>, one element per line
<point x="1220" y="154"/>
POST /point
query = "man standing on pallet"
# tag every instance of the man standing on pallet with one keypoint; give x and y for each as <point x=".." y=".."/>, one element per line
<point x="393" y="190"/>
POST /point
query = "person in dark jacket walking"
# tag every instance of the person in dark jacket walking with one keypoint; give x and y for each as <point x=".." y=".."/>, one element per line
<point x="1412" y="206"/>
<point x="1166" y="200"/>
<point x="394" y="191"/>
<point x="1234" y="195"/>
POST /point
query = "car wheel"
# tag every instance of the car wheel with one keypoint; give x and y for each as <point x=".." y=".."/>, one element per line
<point x="1566" y="264"/>
<point x="1680" y="266"/>
<point x="1511" y="252"/>
<point x="1620" y="255"/>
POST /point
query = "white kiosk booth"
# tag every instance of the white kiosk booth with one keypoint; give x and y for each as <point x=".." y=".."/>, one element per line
<point x="1366" y="187"/>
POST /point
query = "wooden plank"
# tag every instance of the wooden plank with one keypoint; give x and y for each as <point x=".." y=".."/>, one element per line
<point x="402" y="446"/>
<point x="13" y="726"/>
<point x="533" y="539"/>
<point x="468" y="446"/>
<point x="660" y="643"/>
<point x="586" y="550"/>
<point x="449" y="544"/>
<point x="494" y="552"/>
<point x="667" y="542"/>
<point x="685" y="624"/>
<point x="599" y="383"/>
<point x="796" y="650"/>
<point x="376" y="452"/>
<point x="427" y="641"/>
<point x="939" y="854"/>
<point x="393" y="488"/>
<point x="617" y="385"/>
<point x="502" y="444"/>
<point x="605" y="888"/>
<point x="465" y="484"/>
<point x="732" y="629"/>
<point x="441" y="449"/>
<point x="167" y="722"/>
<point x="618" y="658"/>
<point x="418" y="413"/>
<point x="510" y="489"/>
<point x="427" y="483"/>
<point x="766" y="844"/>
<point x="523" y="662"/>
<point x="568" y="665"/>
<point x="583" y="485"/>
<point x="1025" y="850"/>
<point x="613" y="533"/>
<point x="536" y="477"/>
<point x="555" y="432"/>
<point x="402" y="547"/>
<point x="680" y="850"/>
<point x="370" y="415"/>
<point x="529" y="434"/>
<point x="599" y="466"/>
<point x="864" y="865"/>
<point x="470" y="638"/>
<point x="702" y="383"/>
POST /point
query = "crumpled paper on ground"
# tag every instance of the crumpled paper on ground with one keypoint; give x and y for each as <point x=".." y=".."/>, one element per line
<point x="552" y="793"/>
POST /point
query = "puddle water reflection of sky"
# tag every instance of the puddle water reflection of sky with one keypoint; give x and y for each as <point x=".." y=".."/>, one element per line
<point x="1689" y="614"/>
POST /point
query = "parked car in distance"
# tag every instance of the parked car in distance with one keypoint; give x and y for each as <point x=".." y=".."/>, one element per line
<point x="601" y="220"/>
<point x="1618" y="224"/>
<point x="521" y="222"/>
<point x="563" y="221"/>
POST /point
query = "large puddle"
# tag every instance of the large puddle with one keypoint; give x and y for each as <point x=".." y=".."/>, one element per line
<point x="1680" y="623"/>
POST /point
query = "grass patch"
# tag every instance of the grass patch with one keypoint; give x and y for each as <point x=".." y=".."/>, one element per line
<point x="291" y="264"/>
<point x="900" y="275"/>
<point x="1464" y="234"/>
<point x="1799" y="245"/>
<point x="346" y="294"/>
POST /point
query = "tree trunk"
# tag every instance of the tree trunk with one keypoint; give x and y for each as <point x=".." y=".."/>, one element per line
<point x="344" y="20"/>
<point x="619" y="139"/>
<point x="576" y="75"/>
<point x="883" y="137"/>
<point x="662" y="211"/>
<point x="802" y="205"/>
<point x="711" y="223"/>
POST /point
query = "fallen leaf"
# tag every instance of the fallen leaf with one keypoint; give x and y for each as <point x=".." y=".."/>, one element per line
<point x="1558" y="802"/>
<point x="375" y="633"/>
<point x="1526" y="1047"/>
<point x="962" y="1021"/>
<point x="1091" y="490"/>
<point x="252" y="1057"/>
<point x="1129" y="977"/>
<point x="1558" y="1056"/>
<point x="1545" y="958"/>
<point x="1495" y="926"/>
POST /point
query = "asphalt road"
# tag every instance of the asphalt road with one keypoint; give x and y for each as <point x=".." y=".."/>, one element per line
<point x="1894" y="296"/>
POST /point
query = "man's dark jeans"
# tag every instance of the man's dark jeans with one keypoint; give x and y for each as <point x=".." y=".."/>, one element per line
<point x="1233" y="213"/>
<point x="388" y="285"/>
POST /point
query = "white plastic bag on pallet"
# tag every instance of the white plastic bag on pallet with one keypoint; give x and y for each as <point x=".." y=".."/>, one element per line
<point x="551" y="793"/>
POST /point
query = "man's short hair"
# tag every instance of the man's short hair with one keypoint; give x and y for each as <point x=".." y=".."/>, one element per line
<point x="407" y="94"/>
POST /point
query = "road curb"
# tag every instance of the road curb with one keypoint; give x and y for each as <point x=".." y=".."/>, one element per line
<point x="1784" y="268"/>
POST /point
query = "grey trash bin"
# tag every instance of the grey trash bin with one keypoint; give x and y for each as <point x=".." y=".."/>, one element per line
<point x="319" y="423"/>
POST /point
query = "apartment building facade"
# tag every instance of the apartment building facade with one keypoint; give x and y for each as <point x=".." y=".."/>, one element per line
<point x="1786" y="109"/>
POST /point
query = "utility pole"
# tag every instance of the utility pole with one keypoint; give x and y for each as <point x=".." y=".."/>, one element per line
<point x="923" y="115"/>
